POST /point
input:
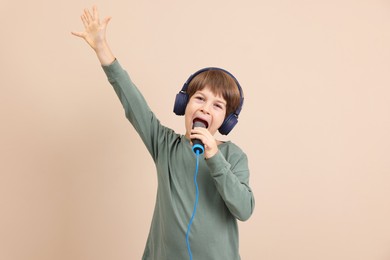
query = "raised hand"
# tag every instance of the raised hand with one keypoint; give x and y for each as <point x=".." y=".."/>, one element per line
<point x="95" y="34"/>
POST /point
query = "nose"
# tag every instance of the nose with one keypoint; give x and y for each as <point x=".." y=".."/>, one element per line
<point x="206" y="108"/>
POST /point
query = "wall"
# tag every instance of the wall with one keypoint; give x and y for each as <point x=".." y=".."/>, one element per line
<point x="77" y="183"/>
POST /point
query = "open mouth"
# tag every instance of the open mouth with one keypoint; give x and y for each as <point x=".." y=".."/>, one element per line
<point x="200" y="122"/>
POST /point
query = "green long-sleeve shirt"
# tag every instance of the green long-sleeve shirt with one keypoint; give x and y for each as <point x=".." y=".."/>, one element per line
<point x="223" y="180"/>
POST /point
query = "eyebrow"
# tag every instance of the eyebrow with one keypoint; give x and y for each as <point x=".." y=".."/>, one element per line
<point x="218" y="99"/>
<point x="221" y="101"/>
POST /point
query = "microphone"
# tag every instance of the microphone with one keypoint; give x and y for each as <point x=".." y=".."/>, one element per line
<point x="197" y="145"/>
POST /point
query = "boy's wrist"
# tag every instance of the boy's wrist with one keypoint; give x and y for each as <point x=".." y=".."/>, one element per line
<point x="217" y="163"/>
<point x="101" y="46"/>
<point x="104" y="54"/>
<point x="210" y="154"/>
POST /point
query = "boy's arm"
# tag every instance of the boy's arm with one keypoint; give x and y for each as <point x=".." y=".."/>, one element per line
<point x="136" y="108"/>
<point x="232" y="182"/>
<point x="95" y="35"/>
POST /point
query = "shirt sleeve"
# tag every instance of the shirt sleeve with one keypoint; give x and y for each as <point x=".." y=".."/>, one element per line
<point x="136" y="108"/>
<point x="232" y="182"/>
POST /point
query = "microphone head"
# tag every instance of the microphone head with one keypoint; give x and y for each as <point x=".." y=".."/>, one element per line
<point x="199" y="123"/>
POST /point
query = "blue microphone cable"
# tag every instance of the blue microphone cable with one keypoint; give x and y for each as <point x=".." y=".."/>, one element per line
<point x="195" y="205"/>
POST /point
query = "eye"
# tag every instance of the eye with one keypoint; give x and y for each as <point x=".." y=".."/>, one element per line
<point x="200" y="98"/>
<point x="218" y="105"/>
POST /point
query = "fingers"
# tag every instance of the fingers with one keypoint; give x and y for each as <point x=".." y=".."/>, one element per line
<point x="88" y="15"/>
<point x="88" y="18"/>
<point x="90" y="21"/>
<point x="85" y="20"/>
<point x="201" y="134"/>
<point x="209" y="142"/>
<point x="95" y="13"/>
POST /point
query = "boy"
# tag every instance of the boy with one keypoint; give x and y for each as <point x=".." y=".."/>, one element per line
<point x="224" y="192"/>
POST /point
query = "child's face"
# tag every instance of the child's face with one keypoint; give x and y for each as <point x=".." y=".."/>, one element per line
<point x="206" y="106"/>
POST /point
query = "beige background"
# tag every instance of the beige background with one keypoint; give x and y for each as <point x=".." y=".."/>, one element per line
<point x="77" y="183"/>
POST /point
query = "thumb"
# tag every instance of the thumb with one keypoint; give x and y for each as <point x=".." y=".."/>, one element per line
<point x="78" y="34"/>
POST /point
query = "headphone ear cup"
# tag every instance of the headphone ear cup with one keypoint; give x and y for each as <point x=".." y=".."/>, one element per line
<point x="181" y="100"/>
<point x="228" y="124"/>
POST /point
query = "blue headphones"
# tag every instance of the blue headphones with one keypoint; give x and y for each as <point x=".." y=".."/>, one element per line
<point x="182" y="100"/>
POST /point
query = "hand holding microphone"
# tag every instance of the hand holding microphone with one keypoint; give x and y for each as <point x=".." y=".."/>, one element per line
<point x="202" y="140"/>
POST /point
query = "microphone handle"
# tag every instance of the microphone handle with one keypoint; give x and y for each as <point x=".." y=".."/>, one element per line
<point x="197" y="146"/>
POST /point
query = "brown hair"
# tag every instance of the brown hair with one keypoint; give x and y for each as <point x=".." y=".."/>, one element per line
<point x="220" y="83"/>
